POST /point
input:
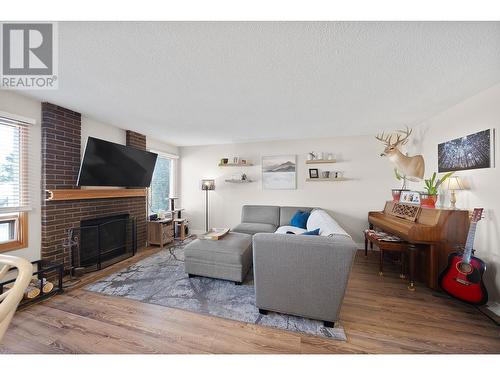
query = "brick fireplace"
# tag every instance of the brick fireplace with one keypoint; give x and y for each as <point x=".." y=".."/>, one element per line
<point x="61" y="150"/>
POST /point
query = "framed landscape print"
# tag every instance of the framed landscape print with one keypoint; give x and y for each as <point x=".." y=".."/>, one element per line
<point x="473" y="151"/>
<point x="279" y="172"/>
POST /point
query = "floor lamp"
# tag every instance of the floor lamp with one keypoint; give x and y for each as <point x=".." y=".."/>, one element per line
<point x="207" y="185"/>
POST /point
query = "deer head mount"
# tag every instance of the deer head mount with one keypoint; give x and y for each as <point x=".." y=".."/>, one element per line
<point x="411" y="167"/>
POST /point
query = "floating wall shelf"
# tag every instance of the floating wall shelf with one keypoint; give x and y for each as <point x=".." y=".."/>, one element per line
<point x="327" y="179"/>
<point x="77" y="194"/>
<point x="322" y="161"/>
<point x="236" y="165"/>
<point x="235" y="181"/>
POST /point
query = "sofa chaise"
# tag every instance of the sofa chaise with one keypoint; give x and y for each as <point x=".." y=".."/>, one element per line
<point x="298" y="274"/>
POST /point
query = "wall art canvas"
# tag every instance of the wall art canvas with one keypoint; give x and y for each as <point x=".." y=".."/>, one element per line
<point x="470" y="152"/>
<point x="279" y="172"/>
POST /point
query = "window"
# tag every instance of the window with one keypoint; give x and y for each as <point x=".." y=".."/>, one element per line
<point x="14" y="194"/>
<point x="162" y="184"/>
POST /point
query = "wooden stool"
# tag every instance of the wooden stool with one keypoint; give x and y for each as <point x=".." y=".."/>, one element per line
<point x="399" y="247"/>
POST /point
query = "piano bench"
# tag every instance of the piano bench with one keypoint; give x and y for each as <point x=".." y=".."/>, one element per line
<point x="389" y="246"/>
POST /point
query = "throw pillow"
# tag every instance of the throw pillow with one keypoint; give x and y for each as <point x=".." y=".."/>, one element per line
<point x="299" y="220"/>
<point x="312" y="232"/>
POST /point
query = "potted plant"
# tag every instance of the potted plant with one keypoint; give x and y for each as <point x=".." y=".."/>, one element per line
<point x="429" y="198"/>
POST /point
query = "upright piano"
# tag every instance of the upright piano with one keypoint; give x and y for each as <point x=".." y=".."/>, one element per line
<point x="430" y="234"/>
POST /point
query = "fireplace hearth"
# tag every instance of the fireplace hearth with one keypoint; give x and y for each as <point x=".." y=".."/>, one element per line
<point x="103" y="241"/>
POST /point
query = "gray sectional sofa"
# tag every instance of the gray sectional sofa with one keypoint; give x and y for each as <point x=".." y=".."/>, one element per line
<point x="265" y="219"/>
<point x="298" y="274"/>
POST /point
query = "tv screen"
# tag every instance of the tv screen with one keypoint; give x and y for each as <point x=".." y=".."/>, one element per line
<point x="111" y="164"/>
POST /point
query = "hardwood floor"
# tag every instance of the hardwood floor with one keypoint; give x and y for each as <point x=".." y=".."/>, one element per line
<point x="379" y="316"/>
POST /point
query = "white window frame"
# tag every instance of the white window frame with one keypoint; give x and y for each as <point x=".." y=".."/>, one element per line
<point x="173" y="173"/>
<point x="21" y="216"/>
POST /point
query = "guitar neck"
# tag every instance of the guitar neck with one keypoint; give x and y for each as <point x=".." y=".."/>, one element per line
<point x="470" y="242"/>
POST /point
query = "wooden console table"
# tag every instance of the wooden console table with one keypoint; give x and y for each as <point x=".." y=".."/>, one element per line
<point x="161" y="232"/>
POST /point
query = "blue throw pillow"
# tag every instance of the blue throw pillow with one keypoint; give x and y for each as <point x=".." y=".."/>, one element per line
<point x="299" y="220"/>
<point x="312" y="232"/>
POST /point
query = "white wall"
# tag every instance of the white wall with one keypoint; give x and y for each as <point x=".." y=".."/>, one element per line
<point x="153" y="144"/>
<point x="477" y="113"/>
<point x="96" y="129"/>
<point x="20" y="105"/>
<point x="371" y="179"/>
<point x="93" y="128"/>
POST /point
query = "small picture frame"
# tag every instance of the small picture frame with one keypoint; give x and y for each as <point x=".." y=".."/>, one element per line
<point x="313" y="173"/>
<point x="410" y="197"/>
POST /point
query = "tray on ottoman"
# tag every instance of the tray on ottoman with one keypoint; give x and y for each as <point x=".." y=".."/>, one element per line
<point x="215" y="234"/>
<point x="230" y="258"/>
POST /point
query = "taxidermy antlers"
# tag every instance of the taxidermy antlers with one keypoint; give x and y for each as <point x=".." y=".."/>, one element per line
<point x="411" y="167"/>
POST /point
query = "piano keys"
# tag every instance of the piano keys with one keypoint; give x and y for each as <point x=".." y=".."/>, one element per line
<point x="431" y="234"/>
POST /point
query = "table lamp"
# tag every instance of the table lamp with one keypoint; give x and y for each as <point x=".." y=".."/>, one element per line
<point x="206" y="185"/>
<point x="454" y="184"/>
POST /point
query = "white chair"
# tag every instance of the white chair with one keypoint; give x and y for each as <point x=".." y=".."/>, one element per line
<point x="11" y="298"/>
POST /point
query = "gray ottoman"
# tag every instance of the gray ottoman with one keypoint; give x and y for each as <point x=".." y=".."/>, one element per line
<point x="229" y="258"/>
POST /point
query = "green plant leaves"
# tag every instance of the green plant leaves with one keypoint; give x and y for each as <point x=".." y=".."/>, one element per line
<point x="398" y="176"/>
<point x="432" y="185"/>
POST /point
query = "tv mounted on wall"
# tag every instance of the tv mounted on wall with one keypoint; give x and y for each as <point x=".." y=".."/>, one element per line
<point x="111" y="164"/>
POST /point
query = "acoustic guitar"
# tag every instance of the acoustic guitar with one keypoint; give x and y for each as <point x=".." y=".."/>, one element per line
<point x="463" y="277"/>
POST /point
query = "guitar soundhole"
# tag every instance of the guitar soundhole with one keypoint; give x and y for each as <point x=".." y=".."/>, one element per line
<point x="464" y="268"/>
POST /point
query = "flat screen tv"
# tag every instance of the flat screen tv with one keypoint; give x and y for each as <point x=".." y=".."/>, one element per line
<point x="110" y="164"/>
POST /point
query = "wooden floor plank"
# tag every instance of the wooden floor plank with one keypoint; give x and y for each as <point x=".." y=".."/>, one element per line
<point x="379" y="315"/>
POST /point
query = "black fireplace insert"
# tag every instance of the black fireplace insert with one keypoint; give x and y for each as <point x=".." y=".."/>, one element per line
<point x="103" y="241"/>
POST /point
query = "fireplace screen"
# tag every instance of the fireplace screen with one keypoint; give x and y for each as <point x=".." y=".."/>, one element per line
<point x="103" y="241"/>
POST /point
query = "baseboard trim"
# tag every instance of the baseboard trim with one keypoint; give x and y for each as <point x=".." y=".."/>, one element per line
<point x="492" y="311"/>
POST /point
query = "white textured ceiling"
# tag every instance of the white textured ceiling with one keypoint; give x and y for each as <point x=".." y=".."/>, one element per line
<point x="191" y="83"/>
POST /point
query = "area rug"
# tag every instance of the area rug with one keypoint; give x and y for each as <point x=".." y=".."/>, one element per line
<point x="160" y="279"/>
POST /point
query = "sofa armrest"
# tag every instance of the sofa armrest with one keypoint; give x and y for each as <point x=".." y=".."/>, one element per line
<point x="302" y="275"/>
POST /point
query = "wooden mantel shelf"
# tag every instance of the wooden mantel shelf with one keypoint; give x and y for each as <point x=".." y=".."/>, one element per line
<point x="77" y="194"/>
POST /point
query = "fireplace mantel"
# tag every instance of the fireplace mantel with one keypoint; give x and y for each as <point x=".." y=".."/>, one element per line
<point x="78" y="194"/>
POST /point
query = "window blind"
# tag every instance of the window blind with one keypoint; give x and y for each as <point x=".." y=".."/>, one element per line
<point x="14" y="168"/>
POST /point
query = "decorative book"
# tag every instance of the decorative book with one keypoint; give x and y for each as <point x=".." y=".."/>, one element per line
<point x="215" y="234"/>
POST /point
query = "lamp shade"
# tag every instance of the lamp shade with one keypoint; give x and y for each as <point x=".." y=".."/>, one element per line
<point x="454" y="183"/>
<point x="207" y="184"/>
